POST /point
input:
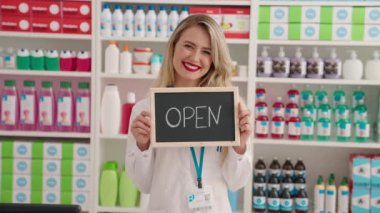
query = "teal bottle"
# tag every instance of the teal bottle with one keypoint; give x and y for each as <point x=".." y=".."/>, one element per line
<point x="342" y="111"/>
<point x="307" y="127"/>
<point x="312" y="110"/>
<point x="360" y="110"/>
<point x="324" y="108"/>
<point x="339" y="97"/>
<point x="343" y="130"/>
<point x="324" y="128"/>
<point x="321" y="97"/>
<point x="362" y="129"/>
<point x="108" y="184"/>
<point x="357" y="96"/>
<point x="306" y="97"/>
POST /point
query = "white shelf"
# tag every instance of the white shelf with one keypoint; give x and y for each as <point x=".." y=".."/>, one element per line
<point x="163" y="40"/>
<point x="151" y="77"/>
<point x="114" y="137"/>
<point x="45" y="73"/>
<point x="314" y="143"/>
<point x="45" y="35"/>
<point x="319" y="3"/>
<point x="192" y="2"/>
<point x="38" y="134"/>
<point x="118" y="209"/>
<point x="319" y="43"/>
<point x="316" y="81"/>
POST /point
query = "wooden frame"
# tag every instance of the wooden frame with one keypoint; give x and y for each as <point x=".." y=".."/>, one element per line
<point x="234" y="90"/>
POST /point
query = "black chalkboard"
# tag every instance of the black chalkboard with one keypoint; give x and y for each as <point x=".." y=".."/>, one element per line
<point x="194" y="116"/>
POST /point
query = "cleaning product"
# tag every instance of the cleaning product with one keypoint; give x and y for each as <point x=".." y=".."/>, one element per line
<point x="74" y="60"/>
<point x="110" y="111"/>
<point x="287" y="182"/>
<point x="339" y="97"/>
<point x="259" y="181"/>
<point x="264" y="64"/>
<point x="281" y="65"/>
<point x="273" y="201"/>
<point x="300" y="168"/>
<point x="360" y="109"/>
<point x="312" y="110"/>
<point x="184" y="13"/>
<point x="65" y="107"/>
<point x="9" y="106"/>
<point x="333" y="66"/>
<point x="342" y="111"/>
<point x="28" y="106"/>
<point x="307" y="127"/>
<point x="9" y="59"/>
<point x="299" y="182"/>
<point x="357" y="96"/>
<point x="275" y="167"/>
<point x="278" y="125"/>
<point x="353" y="67"/>
<point x="125" y="61"/>
<point x="140" y="22"/>
<point x="294" y="128"/>
<point x="126" y="112"/>
<point x="302" y="201"/>
<point x="173" y="20"/>
<point x="362" y="129"/>
<point x="273" y="183"/>
<point x="83" y="61"/>
<point x="331" y="195"/>
<point x="150" y="24"/>
<point x="162" y="23"/>
<point x="106" y="21"/>
<point x="321" y="96"/>
<point x="319" y="196"/>
<point x="343" y="196"/>
<point x="298" y="65"/>
<point x="372" y="67"/>
<point x="108" y="184"/>
<point x="343" y="130"/>
<point x="262" y="125"/>
<point x="259" y="200"/>
<point x="286" y="201"/>
<point x="261" y="106"/>
<point x="128" y="21"/>
<point x="117" y="21"/>
<point x="22" y="59"/>
<point x="260" y="167"/>
<point x="324" y="108"/>
<point x="306" y="97"/>
<point x="287" y="168"/>
<point x="291" y="110"/>
<point x="82" y="108"/>
<point x="128" y="192"/>
<point x="66" y="62"/>
<point x="324" y="128"/>
<point x="314" y="66"/>
<point x="112" y="58"/>
<point x="278" y="107"/>
<point x="294" y="95"/>
<point x="52" y="60"/>
<point x="46" y="107"/>
<point x="37" y="60"/>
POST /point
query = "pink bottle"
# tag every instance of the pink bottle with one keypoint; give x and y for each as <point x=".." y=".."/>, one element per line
<point x="261" y="107"/>
<point x="291" y="111"/>
<point x="126" y="112"/>
<point x="262" y="125"/>
<point x="74" y="60"/>
<point x="83" y="62"/>
<point x="28" y="106"/>
<point x="278" y="107"/>
<point x="66" y="61"/>
<point x="278" y="126"/>
<point x="294" y="128"/>
<point x="83" y="108"/>
<point x="65" y="108"/>
<point x="46" y="107"/>
<point x="9" y="106"/>
<point x="294" y="95"/>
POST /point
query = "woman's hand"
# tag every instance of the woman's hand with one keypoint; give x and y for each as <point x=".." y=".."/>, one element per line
<point x="244" y="127"/>
<point x="141" y="130"/>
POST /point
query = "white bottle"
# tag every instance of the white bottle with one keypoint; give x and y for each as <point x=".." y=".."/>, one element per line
<point x="110" y="110"/>
<point x="281" y="65"/>
<point x="314" y="67"/>
<point x="343" y="197"/>
<point x="128" y="22"/>
<point x="331" y="195"/>
<point x="372" y="71"/>
<point x="184" y="13"/>
<point x="10" y="59"/>
<point x="106" y="21"/>
<point x="155" y="64"/>
<point x="333" y="66"/>
<point x="353" y="67"/>
<point x="172" y="20"/>
<point x="264" y="64"/>
<point x="117" y="21"/>
<point x="126" y="61"/>
<point x="150" y="24"/>
<point x="319" y="196"/>
<point x="1" y="58"/>
<point x="297" y="65"/>
<point x="162" y="23"/>
<point x="112" y="58"/>
<point x="140" y="22"/>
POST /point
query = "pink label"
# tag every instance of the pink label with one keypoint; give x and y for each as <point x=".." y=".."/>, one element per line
<point x="27" y="109"/>
<point x="294" y="128"/>
<point x="262" y="127"/>
<point x="278" y="127"/>
<point x="8" y="110"/>
<point x="45" y="111"/>
<point x="82" y="111"/>
<point x="64" y="111"/>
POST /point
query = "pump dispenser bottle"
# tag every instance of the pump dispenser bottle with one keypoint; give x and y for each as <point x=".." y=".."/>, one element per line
<point x="264" y="64"/>
<point x="298" y="65"/>
<point x="333" y="66"/>
<point x="314" y="66"/>
<point x="372" y="71"/>
<point x="353" y="67"/>
<point x="281" y="65"/>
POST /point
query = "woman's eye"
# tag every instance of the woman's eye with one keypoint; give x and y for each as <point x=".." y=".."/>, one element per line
<point x="207" y="52"/>
<point x="188" y="46"/>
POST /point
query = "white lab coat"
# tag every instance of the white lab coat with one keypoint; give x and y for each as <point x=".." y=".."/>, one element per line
<point x="169" y="175"/>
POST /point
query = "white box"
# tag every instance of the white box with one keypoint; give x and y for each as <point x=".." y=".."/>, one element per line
<point x="311" y="14"/>
<point x="81" y="167"/>
<point x="372" y="33"/>
<point x="52" y="150"/>
<point x="21" y="182"/>
<point x="21" y="196"/>
<point x="372" y="15"/>
<point x="342" y="15"/>
<point x="82" y="199"/>
<point x="310" y="32"/>
<point x="51" y="197"/>
<point x="341" y="32"/>
<point x="22" y="149"/>
<point x="82" y="151"/>
<point x="279" y="15"/>
<point x="51" y="167"/>
<point x="22" y="166"/>
<point x="81" y="183"/>
<point x="278" y="31"/>
<point x="51" y="183"/>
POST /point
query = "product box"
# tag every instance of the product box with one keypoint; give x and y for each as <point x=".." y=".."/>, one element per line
<point x="372" y="15"/>
<point x="51" y="183"/>
<point x="45" y="9"/>
<point x="235" y="22"/>
<point x="341" y="32"/>
<point x="16" y="166"/>
<point x="15" y="196"/>
<point x="52" y="150"/>
<point x="279" y="14"/>
<point x="76" y="9"/>
<point x="360" y="201"/>
<point x="16" y="149"/>
<point x="76" y="198"/>
<point x="15" y="23"/>
<point x="81" y="151"/>
<point x="326" y="15"/>
<point x="372" y="32"/>
<point x="15" y="182"/>
<point x="76" y="26"/>
<point x="46" y="25"/>
<point x="75" y="184"/>
<point x="311" y="14"/>
<point x="213" y="12"/>
<point x="51" y="197"/>
<point x="375" y="200"/>
<point x="375" y="173"/>
<point x="51" y="167"/>
<point x="15" y="8"/>
<point x="264" y="14"/>
<point x="278" y="32"/>
<point x="310" y="32"/>
<point x="75" y="168"/>
<point x="342" y="15"/>
<point x="360" y="170"/>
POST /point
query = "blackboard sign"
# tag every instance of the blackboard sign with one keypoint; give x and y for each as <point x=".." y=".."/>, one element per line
<point x="194" y="116"/>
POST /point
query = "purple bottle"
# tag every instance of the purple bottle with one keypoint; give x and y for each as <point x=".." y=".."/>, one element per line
<point x="46" y="107"/>
<point x="82" y="108"/>
<point x="28" y="106"/>
<point x="65" y="109"/>
<point x="9" y="106"/>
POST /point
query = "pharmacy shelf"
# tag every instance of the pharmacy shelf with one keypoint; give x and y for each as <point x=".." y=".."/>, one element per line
<point x="45" y="73"/>
<point x="113" y="137"/>
<point x="118" y="209"/>
<point x="320" y="43"/>
<point x="163" y="40"/>
<point x="45" y="35"/>
<point x="38" y="134"/>
<point x="319" y="3"/>
<point x="327" y="144"/>
<point x="192" y="2"/>
<point x="316" y="81"/>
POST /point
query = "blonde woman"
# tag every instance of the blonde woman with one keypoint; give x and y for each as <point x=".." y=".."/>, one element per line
<point x="196" y="56"/>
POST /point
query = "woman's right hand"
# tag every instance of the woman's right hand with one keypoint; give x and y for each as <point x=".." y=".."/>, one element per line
<point x="141" y="130"/>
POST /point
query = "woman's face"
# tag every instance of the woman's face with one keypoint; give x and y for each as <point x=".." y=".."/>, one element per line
<point x="192" y="57"/>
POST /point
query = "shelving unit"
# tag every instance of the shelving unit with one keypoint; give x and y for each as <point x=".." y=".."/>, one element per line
<point x="60" y="36"/>
<point x="37" y="134"/>
<point x="45" y="73"/>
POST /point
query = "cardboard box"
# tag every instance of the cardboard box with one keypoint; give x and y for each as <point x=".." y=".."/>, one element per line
<point x="82" y="151"/>
<point x="15" y="196"/>
<point x="278" y="32"/>
<point x="75" y="184"/>
<point x="51" y="197"/>
<point x="279" y="14"/>
<point x="15" y="23"/>
<point x="310" y="32"/>
<point x="342" y="15"/>
<point x="15" y="182"/>
<point x="311" y="14"/>
<point x="341" y="32"/>
<point x="51" y="183"/>
<point x="372" y="33"/>
<point x="76" y="26"/>
<point x="51" y="167"/>
<point x="372" y="15"/>
<point x="360" y="170"/>
<point x="52" y="150"/>
<point x="360" y="201"/>
<point x="46" y="9"/>
<point x="76" y="9"/>
<point x="375" y="200"/>
<point x="213" y="12"/>
<point x="236" y="22"/>
<point x="375" y="173"/>
<point x="15" y="8"/>
<point x="46" y="25"/>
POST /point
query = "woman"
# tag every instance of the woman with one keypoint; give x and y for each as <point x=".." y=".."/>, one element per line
<point x="196" y="56"/>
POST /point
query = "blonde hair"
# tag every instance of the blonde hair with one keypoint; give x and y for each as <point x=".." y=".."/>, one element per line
<point x="219" y="73"/>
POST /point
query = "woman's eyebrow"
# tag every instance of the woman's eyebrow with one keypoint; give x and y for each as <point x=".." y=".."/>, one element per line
<point x="192" y="43"/>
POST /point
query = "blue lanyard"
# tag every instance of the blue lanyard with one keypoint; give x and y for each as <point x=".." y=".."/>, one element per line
<point x="198" y="167"/>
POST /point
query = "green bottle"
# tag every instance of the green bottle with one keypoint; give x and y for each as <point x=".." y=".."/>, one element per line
<point x="321" y="97"/>
<point x="357" y="96"/>
<point x="324" y="108"/>
<point x="128" y="192"/>
<point x="37" y="60"/>
<point x="52" y="60"/>
<point x="339" y="97"/>
<point x="362" y="129"/>
<point x="342" y="111"/>
<point x="306" y="97"/>
<point x="23" y="59"/>
<point x="324" y="128"/>
<point x="307" y="127"/>
<point x="108" y="184"/>
<point x="343" y="130"/>
<point x="312" y="110"/>
<point x="359" y="110"/>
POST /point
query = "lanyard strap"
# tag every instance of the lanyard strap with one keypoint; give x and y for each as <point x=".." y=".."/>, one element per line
<point x="198" y="167"/>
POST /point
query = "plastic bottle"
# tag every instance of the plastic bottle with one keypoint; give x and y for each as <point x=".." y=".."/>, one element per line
<point x="372" y="66"/>
<point x="262" y="126"/>
<point x="275" y="167"/>
<point x="300" y="168"/>
<point x="299" y="182"/>
<point x="339" y="97"/>
<point x="260" y="167"/>
<point x="294" y="128"/>
<point x="278" y="125"/>
<point x="287" y="182"/>
<point x="287" y="168"/>
<point x="278" y="107"/>
<point x="37" y="60"/>
<point x="342" y="111"/>
<point x="110" y="110"/>
<point x="155" y="65"/>
<point x="292" y="109"/>
<point x="173" y="20"/>
<point x="343" y="196"/>
<point x="298" y="65"/>
<point x="126" y="112"/>
<point x="312" y="110"/>
<point x="28" y="106"/>
<point x="362" y="129"/>
<point x="184" y="13"/>
<point x="324" y="110"/>
<point x="9" y="106"/>
<point x="128" y="22"/>
<point x="140" y="22"/>
<point x="358" y="96"/>
<point x="353" y="67"/>
<point x="306" y="97"/>
<point x="286" y="201"/>
<point x="321" y="96"/>
<point x="259" y="181"/>
<point x="360" y="109"/>
<point x="112" y="58"/>
<point x="46" y="107"/>
<point x="22" y="59"/>
<point x="264" y="64"/>
<point x="273" y="183"/>
<point x="261" y="107"/>
<point x="331" y="195"/>
<point x="273" y="201"/>
<point x="333" y="66"/>
<point x="128" y="192"/>
<point x="294" y="95"/>
<point x="319" y="196"/>
<point x="125" y="61"/>
<point x="281" y="65"/>
<point x="150" y="24"/>
<point x="117" y="21"/>
<point x="162" y="23"/>
<point x="52" y="60"/>
<point x="314" y="66"/>
<point x="65" y="107"/>
<point x="259" y="200"/>
<point x="9" y="59"/>
<point x="83" y="107"/>
<point x="307" y="127"/>
<point x="302" y="201"/>
<point x="83" y="61"/>
<point x="106" y="21"/>
<point x="324" y="128"/>
<point x="65" y="61"/>
<point x="108" y="184"/>
<point x="343" y="130"/>
<point x="73" y="55"/>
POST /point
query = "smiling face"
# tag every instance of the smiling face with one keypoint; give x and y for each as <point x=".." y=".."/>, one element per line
<point x="192" y="56"/>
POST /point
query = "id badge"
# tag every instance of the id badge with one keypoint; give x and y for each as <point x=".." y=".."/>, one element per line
<point x="200" y="200"/>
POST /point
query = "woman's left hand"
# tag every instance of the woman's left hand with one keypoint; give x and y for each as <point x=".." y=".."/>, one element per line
<point x="245" y="128"/>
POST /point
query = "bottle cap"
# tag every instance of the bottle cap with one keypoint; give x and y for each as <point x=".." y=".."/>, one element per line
<point x="22" y="52"/>
<point x="106" y="6"/>
<point x="151" y="7"/>
<point x="112" y="43"/>
<point x="344" y="181"/>
<point x="185" y="8"/>
<point x="174" y="8"/>
<point x="353" y="54"/>
<point x="162" y="7"/>
<point x="129" y="7"/>
<point x="140" y="7"/>
<point x="131" y="97"/>
<point x="28" y="83"/>
<point x="117" y="7"/>
<point x="10" y="83"/>
<point x="320" y="180"/>
<point x="281" y="53"/>
<point x="110" y="165"/>
<point x="46" y="84"/>
<point x="84" y="85"/>
<point x="264" y="52"/>
<point x="65" y="84"/>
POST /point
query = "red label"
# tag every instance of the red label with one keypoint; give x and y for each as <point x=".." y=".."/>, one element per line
<point x="76" y="9"/>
